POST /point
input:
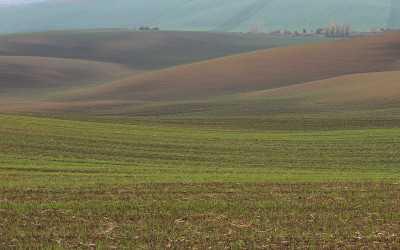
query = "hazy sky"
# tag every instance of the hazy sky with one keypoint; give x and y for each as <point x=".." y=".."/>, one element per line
<point x="13" y="2"/>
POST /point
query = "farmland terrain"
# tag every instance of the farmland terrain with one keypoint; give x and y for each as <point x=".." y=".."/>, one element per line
<point x="88" y="184"/>
<point x="121" y="139"/>
<point x="199" y="15"/>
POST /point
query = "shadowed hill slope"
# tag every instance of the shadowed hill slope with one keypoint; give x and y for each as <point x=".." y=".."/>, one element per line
<point x="147" y="50"/>
<point x="259" y="70"/>
<point x="39" y="75"/>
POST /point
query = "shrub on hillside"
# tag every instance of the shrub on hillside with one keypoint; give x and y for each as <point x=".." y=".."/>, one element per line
<point x="286" y="32"/>
<point x="144" y="28"/>
<point x="318" y="31"/>
<point x="148" y="28"/>
<point x="275" y="32"/>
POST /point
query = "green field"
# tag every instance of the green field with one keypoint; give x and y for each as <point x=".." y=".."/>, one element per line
<point x="198" y="15"/>
<point x="67" y="183"/>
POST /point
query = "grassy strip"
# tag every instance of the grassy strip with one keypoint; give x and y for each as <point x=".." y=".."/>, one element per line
<point x="248" y="123"/>
<point x="37" y="142"/>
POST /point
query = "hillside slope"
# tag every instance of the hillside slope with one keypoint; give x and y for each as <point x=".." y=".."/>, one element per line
<point x="368" y="94"/>
<point x="260" y="70"/>
<point x="365" y="88"/>
<point x="24" y="76"/>
<point x="198" y="15"/>
<point x="44" y="62"/>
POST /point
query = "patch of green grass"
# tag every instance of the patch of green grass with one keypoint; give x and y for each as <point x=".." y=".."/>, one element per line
<point x="221" y="215"/>
<point x="44" y="142"/>
<point x="88" y="184"/>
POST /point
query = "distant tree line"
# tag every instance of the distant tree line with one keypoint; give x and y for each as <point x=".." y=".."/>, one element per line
<point x="337" y="29"/>
<point x="334" y="30"/>
<point x="148" y="28"/>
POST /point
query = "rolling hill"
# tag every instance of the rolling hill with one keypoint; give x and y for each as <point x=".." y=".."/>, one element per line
<point x="367" y="94"/>
<point x="366" y="88"/>
<point x="355" y="77"/>
<point x="260" y="70"/>
<point x="198" y="15"/>
<point x="36" y="64"/>
<point x="147" y="50"/>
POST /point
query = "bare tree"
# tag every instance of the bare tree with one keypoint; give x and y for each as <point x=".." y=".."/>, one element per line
<point x="338" y="30"/>
<point x="256" y="28"/>
<point x="346" y="29"/>
<point x="374" y="28"/>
